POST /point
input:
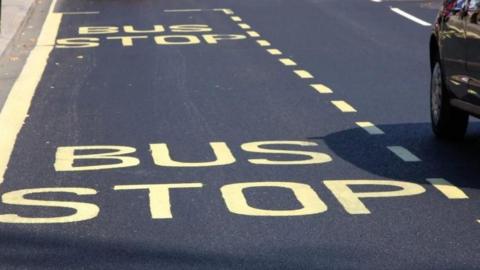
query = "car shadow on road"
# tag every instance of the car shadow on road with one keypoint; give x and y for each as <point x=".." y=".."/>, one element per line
<point x="456" y="161"/>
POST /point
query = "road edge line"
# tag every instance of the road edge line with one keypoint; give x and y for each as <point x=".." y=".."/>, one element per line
<point x="16" y="107"/>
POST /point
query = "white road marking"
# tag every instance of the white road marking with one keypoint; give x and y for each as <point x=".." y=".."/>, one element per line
<point x="410" y="17"/>
<point x="236" y="19"/>
<point x="15" y="109"/>
<point x="448" y="189"/>
<point x="343" y="106"/>
<point x="253" y="34"/>
<point x="404" y="154"/>
<point x="370" y="128"/>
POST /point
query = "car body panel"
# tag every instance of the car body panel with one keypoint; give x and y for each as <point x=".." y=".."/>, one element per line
<point x="457" y="37"/>
<point x="452" y="45"/>
<point x="472" y="19"/>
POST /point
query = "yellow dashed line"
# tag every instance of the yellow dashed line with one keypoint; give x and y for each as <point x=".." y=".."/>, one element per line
<point x="404" y="154"/>
<point x="370" y="128"/>
<point x="244" y="26"/>
<point x="343" y="106"/>
<point x="448" y="189"/>
<point x="263" y="43"/>
<point x="303" y="74"/>
<point x="274" y="52"/>
<point x="445" y="187"/>
<point x="224" y="10"/>
<point x="253" y="34"/>
<point x="322" y="89"/>
<point x="287" y="62"/>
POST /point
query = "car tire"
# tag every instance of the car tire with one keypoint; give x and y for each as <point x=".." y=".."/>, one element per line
<point x="448" y="122"/>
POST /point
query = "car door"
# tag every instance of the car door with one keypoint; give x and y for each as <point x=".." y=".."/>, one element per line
<point x="473" y="52"/>
<point x="453" y="46"/>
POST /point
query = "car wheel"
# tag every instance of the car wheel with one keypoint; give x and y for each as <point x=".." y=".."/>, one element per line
<point x="448" y="122"/>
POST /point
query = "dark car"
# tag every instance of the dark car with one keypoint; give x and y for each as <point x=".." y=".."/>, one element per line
<point x="455" y="66"/>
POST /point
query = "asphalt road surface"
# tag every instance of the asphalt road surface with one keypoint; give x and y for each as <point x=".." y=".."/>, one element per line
<point x="218" y="134"/>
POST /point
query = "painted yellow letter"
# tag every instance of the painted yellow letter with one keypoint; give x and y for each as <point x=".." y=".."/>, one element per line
<point x="87" y="30"/>
<point x="351" y="200"/>
<point x="214" y="38"/>
<point x="177" y="40"/>
<point x="127" y="41"/>
<point x="159" y="195"/>
<point x="190" y="28"/>
<point x="156" y="29"/>
<point x="237" y="203"/>
<point x="161" y="156"/>
<point x="77" y="43"/>
<point x="83" y="211"/>
<point x="65" y="157"/>
<point x="314" y="157"/>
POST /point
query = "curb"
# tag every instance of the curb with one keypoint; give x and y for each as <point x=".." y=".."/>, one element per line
<point x="13" y="17"/>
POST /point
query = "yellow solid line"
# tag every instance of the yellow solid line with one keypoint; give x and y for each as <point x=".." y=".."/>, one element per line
<point x="253" y="34"/>
<point x="15" y="109"/>
<point x="343" y="106"/>
<point x="274" y="52"/>
<point x="48" y="35"/>
<point x="303" y="74"/>
<point x="287" y="62"/>
<point x="236" y="19"/>
<point x="404" y="154"/>
<point x="448" y="189"/>
<point x="322" y="89"/>
<point x="244" y="26"/>
<point x="263" y="43"/>
<point x="370" y="128"/>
